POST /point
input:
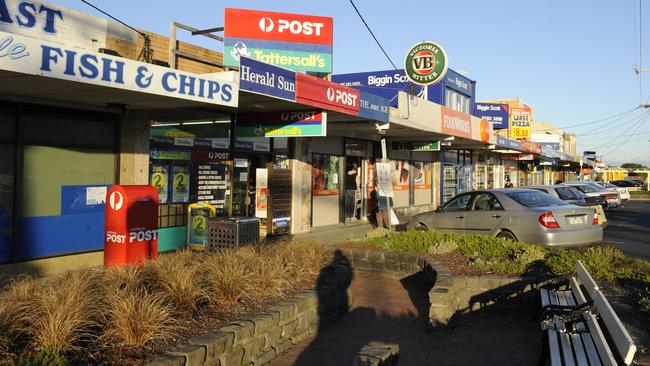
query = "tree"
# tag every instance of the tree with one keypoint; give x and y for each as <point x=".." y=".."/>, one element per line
<point x="632" y="166"/>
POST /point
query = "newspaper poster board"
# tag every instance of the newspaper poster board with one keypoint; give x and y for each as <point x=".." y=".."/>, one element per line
<point x="384" y="183"/>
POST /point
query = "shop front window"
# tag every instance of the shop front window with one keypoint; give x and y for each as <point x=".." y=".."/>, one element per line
<point x="325" y="173"/>
<point x="422" y="183"/>
<point x="68" y="163"/>
<point x="6" y="201"/>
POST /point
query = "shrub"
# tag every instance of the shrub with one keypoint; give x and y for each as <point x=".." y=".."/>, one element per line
<point x="44" y="357"/>
<point x="136" y="318"/>
<point x="442" y="247"/>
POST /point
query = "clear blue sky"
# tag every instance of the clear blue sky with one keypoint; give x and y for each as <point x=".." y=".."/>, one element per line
<point x="571" y="60"/>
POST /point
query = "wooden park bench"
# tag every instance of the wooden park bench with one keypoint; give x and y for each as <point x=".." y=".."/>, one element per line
<point x="580" y="326"/>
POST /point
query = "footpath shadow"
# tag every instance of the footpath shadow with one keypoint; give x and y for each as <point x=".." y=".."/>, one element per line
<point x="493" y="327"/>
<point x="400" y="318"/>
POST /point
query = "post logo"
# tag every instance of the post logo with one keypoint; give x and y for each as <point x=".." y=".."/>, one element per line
<point x="330" y="94"/>
<point x="266" y="24"/>
<point x="116" y="201"/>
<point x="426" y="63"/>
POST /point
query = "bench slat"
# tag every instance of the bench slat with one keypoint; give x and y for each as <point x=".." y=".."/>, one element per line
<point x="570" y="299"/>
<point x="590" y="348"/>
<point x="567" y="351"/>
<point x="554" y="349"/>
<point x="606" y="355"/>
<point x="545" y="299"/>
<point x="577" y="292"/>
<point x="561" y="298"/>
<point x="586" y="279"/>
<point x="579" y="350"/>
<point x="622" y="340"/>
<point x="553" y="297"/>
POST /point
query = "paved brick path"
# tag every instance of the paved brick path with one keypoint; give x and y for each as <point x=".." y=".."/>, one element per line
<point x="395" y="311"/>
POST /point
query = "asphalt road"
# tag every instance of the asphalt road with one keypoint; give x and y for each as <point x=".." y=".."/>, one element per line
<point x="629" y="228"/>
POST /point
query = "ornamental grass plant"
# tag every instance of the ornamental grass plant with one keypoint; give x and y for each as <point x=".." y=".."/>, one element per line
<point x="78" y="315"/>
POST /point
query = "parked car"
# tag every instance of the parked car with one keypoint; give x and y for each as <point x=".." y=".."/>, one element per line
<point x="625" y="195"/>
<point x="573" y="196"/>
<point x="524" y="215"/>
<point x="591" y="190"/>
<point x="631" y="184"/>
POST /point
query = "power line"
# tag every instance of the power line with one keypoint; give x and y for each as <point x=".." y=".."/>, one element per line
<point x="588" y="123"/>
<point x="627" y="139"/>
<point x="596" y="130"/>
<point x="147" y="52"/>
<point x="372" y="34"/>
<point x="640" y="50"/>
<point x="112" y="17"/>
<point x="635" y="127"/>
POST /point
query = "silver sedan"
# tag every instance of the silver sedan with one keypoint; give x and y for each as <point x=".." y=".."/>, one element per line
<point x="523" y="215"/>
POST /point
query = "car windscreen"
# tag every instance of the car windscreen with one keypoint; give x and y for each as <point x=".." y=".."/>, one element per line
<point x="587" y="188"/>
<point x="567" y="193"/>
<point x="535" y="199"/>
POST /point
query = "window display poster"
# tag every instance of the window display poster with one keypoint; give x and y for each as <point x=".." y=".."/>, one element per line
<point x="181" y="187"/>
<point x="421" y="175"/>
<point x="159" y="179"/>
<point x="261" y="192"/>
<point x="400" y="175"/>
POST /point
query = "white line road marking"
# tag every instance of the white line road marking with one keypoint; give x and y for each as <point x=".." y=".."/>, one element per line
<point x="613" y="242"/>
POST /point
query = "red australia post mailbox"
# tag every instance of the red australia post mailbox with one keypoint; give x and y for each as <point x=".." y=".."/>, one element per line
<point x="131" y="226"/>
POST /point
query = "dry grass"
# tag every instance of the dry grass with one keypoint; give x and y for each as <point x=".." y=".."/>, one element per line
<point x="137" y="318"/>
<point x="179" y="278"/>
<point x="139" y="306"/>
<point x="65" y="311"/>
<point x="228" y="279"/>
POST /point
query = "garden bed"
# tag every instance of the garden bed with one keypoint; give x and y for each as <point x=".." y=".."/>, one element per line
<point x="477" y="255"/>
<point x="124" y="315"/>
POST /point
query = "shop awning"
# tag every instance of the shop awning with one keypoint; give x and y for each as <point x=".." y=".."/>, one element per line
<point x="37" y="89"/>
<point x="54" y="72"/>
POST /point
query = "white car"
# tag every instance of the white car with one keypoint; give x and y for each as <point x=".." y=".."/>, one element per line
<point x="625" y="194"/>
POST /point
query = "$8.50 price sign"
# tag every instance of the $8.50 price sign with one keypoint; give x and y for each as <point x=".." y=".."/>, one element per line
<point x="520" y="132"/>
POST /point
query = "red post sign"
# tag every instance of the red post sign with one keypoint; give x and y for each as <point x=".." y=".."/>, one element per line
<point x="326" y="94"/>
<point x="131" y="226"/>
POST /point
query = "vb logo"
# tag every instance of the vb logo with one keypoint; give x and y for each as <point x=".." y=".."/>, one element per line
<point x="116" y="201"/>
<point x="423" y="62"/>
<point x="266" y="24"/>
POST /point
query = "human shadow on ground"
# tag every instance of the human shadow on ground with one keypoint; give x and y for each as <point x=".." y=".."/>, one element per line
<point x="499" y="327"/>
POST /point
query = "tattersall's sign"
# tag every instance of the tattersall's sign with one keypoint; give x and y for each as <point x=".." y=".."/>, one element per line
<point x="297" y="42"/>
<point x="35" y="57"/>
<point x="282" y="124"/>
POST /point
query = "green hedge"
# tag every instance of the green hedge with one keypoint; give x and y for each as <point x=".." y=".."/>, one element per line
<point x="639" y="194"/>
<point x="505" y="257"/>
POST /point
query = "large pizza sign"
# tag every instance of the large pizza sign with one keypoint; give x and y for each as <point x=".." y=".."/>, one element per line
<point x="293" y="41"/>
<point x="426" y="63"/>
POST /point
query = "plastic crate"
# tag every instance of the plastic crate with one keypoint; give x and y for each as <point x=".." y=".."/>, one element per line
<point x="230" y="233"/>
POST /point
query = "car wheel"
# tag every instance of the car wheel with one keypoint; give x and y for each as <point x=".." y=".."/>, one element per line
<point x="506" y="235"/>
<point x="421" y="227"/>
